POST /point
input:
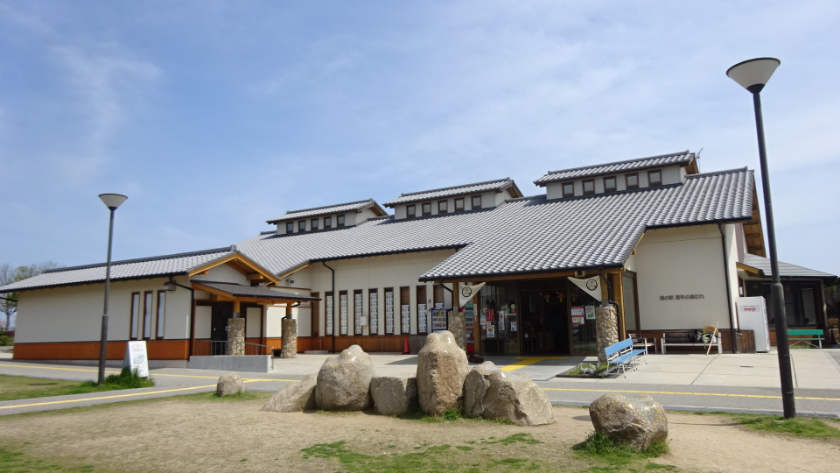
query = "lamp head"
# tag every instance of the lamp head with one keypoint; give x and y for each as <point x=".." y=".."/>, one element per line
<point x="754" y="73"/>
<point x="112" y="201"/>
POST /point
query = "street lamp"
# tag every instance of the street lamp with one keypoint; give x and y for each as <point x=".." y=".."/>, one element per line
<point x="753" y="76"/>
<point x="112" y="201"/>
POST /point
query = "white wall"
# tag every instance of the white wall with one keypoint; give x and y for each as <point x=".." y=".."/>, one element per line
<point x="203" y="321"/>
<point x="681" y="261"/>
<point x="74" y="313"/>
<point x="223" y="273"/>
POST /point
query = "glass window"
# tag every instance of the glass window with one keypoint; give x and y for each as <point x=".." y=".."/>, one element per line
<point x="411" y="211"/>
<point x="161" y="313"/>
<point x="459" y="204"/>
<point x="339" y="220"/>
<point x="373" y="310"/>
<point x="655" y="178"/>
<point x="568" y="189"/>
<point x="442" y="207"/>
<point x="476" y="202"/>
<point x="327" y="222"/>
<point x="313" y="224"/>
<point x="302" y="225"/>
<point x="632" y="181"/>
<point x="589" y="187"/>
<point x="290" y="227"/>
<point x="135" y="314"/>
<point x="609" y="184"/>
<point x="329" y="316"/>
<point x="147" y="314"/>
<point x="427" y="208"/>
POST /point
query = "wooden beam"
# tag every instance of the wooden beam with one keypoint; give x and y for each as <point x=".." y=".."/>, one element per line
<point x="254" y="276"/>
<point x="456" y="297"/>
<point x="237" y="261"/>
<point x="512" y="278"/>
<point x="749" y="269"/>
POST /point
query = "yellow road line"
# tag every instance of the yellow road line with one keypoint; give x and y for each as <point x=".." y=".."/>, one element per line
<point x="108" y="397"/>
<point x="689" y="394"/>
<point x="529" y="360"/>
<point x="53" y="368"/>
<point x="153" y="374"/>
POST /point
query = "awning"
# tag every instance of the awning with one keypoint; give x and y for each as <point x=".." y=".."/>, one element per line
<point x="238" y="291"/>
<point x="760" y="266"/>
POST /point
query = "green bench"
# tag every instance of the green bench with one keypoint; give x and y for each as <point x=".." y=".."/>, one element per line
<point x="806" y="336"/>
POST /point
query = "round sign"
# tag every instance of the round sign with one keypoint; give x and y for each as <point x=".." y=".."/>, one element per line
<point x="466" y="291"/>
<point x="592" y="284"/>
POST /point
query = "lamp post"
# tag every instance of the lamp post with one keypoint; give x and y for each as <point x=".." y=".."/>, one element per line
<point x="112" y="201"/>
<point x="753" y="76"/>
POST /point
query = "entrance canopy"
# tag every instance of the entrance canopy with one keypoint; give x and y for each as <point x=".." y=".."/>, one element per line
<point x="256" y="294"/>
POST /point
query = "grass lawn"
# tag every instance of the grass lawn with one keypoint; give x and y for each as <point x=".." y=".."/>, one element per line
<point x="22" y="387"/>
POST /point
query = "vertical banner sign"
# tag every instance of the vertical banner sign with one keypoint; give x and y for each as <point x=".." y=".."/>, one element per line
<point x="389" y="313"/>
<point x="136" y="358"/>
<point x="374" y="313"/>
<point x="406" y="319"/>
<point x="329" y="315"/>
<point x="591" y="286"/>
<point x="342" y="313"/>
<point x="422" y="318"/>
<point x="360" y="316"/>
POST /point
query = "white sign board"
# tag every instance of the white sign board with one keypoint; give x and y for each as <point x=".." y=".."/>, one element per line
<point x="136" y="358"/>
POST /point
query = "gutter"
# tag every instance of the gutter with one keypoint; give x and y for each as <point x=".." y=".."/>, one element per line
<point x="333" y="296"/>
<point x="728" y="287"/>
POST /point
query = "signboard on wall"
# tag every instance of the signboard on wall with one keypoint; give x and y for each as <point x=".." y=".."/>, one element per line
<point x="136" y="358"/>
<point x="591" y="286"/>
<point x="578" y="314"/>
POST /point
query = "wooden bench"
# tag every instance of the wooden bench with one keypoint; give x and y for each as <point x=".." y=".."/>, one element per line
<point x="806" y="336"/>
<point x="621" y="353"/>
<point x="688" y="339"/>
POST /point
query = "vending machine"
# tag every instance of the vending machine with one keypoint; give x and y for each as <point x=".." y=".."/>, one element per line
<point x="752" y="315"/>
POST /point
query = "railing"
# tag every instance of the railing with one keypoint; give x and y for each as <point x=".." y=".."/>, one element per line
<point x="220" y="347"/>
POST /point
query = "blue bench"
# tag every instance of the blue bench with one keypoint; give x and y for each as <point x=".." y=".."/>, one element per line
<point x="621" y="353"/>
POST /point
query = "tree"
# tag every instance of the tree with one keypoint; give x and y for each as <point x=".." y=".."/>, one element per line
<point x="9" y="275"/>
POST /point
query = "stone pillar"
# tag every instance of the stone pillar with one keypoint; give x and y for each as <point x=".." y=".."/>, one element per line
<point x="236" y="337"/>
<point x="606" y="329"/>
<point x="457" y="325"/>
<point x="289" y="348"/>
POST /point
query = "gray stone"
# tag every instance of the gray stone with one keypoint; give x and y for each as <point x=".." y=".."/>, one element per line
<point x="606" y="329"/>
<point x="294" y="397"/>
<point x="344" y="381"/>
<point x="229" y="384"/>
<point x="393" y="395"/>
<point x="236" y="337"/>
<point x="289" y="347"/>
<point x="495" y="394"/>
<point x="636" y="420"/>
<point x="441" y="369"/>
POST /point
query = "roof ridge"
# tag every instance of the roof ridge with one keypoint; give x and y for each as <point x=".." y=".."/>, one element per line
<point x="455" y="187"/>
<point x="715" y="173"/>
<point x="620" y="162"/>
<point x="289" y="212"/>
<point x="143" y="260"/>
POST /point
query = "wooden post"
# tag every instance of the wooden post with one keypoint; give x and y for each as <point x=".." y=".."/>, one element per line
<point x="620" y="285"/>
<point x="477" y="325"/>
<point x="289" y="310"/>
<point x="236" y="309"/>
<point x="456" y="298"/>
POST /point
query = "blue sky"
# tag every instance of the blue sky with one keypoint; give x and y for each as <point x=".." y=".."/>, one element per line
<point x="214" y="117"/>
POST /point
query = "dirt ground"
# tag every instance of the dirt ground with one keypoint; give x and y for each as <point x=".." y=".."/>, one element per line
<point x="192" y="435"/>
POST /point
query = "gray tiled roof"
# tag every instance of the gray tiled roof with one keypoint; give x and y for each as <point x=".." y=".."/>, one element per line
<point x="525" y="235"/>
<point x="682" y="158"/>
<point x="329" y="209"/>
<point x="786" y="270"/>
<point x="261" y="292"/>
<point x="127" y="269"/>
<point x="486" y="186"/>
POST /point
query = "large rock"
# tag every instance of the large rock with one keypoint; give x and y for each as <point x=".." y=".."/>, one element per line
<point x="495" y="394"/>
<point x="344" y="381"/>
<point x="229" y="384"/>
<point x="393" y="395"/>
<point x="636" y="420"/>
<point x="294" y="397"/>
<point x="441" y="369"/>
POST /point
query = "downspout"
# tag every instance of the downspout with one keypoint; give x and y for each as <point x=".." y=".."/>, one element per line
<point x="728" y="287"/>
<point x="333" y="296"/>
<point x="192" y="313"/>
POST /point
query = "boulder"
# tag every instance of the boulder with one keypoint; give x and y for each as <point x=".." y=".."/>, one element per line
<point x="636" y="420"/>
<point x="344" y="381"/>
<point x="393" y="395"/>
<point x="294" y="397"/>
<point x="495" y="394"/>
<point x="229" y="384"/>
<point x="441" y="369"/>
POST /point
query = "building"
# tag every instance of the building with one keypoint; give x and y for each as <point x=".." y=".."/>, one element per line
<point x="672" y="247"/>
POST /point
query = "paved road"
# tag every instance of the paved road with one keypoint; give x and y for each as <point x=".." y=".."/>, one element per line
<point x="732" y="383"/>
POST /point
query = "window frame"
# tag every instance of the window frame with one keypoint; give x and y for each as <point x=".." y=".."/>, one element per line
<point x="472" y="202"/>
<point x="651" y="182"/>
<point x="614" y="186"/>
<point x="413" y="213"/>
<point x="148" y="307"/>
<point x="443" y="206"/>
<point x="423" y="208"/>
<point x="327" y="222"/>
<point x="313" y="224"/>
<point x="290" y="227"/>
<point x="339" y="220"/>
<point x="160" y="315"/>
<point x="563" y="189"/>
<point x="583" y="185"/>
<point x="301" y="226"/>
<point x="134" y="316"/>
<point x="627" y="180"/>
<point x="373" y="311"/>
<point x="463" y="207"/>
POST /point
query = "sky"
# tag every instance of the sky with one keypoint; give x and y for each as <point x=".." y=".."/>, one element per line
<point x="213" y="117"/>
